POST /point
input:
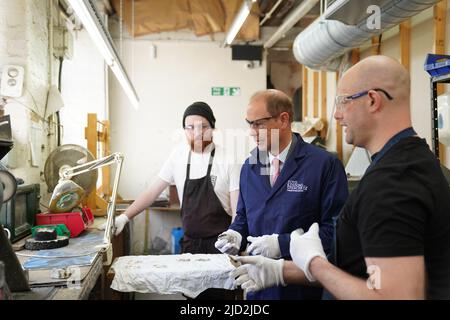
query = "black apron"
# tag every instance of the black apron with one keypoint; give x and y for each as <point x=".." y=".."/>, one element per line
<point x="203" y="216"/>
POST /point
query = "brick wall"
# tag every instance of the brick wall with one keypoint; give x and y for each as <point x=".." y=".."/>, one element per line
<point x="24" y="41"/>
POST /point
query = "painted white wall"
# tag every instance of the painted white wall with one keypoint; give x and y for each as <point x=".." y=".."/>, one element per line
<point x="24" y="42"/>
<point x="83" y="88"/>
<point x="181" y="73"/>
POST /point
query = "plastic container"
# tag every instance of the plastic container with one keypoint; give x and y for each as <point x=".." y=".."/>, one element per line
<point x="177" y="234"/>
<point x="437" y="64"/>
<point x="76" y="222"/>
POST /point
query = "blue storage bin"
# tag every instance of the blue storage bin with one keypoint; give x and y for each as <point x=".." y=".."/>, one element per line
<point x="437" y="64"/>
<point x="177" y="234"/>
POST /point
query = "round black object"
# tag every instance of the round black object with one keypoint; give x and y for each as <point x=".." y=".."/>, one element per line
<point x="44" y="234"/>
<point x="33" y="244"/>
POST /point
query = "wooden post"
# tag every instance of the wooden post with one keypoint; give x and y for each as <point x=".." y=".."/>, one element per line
<point x="96" y="203"/>
<point x="304" y="92"/>
<point x="376" y="45"/>
<point x="405" y="43"/>
<point x="316" y="94"/>
<point x="354" y="57"/>
<point x="440" y="17"/>
<point x="91" y="137"/>
<point x="106" y="185"/>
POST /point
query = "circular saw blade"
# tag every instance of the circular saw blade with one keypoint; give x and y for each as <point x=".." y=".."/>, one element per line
<point x="69" y="155"/>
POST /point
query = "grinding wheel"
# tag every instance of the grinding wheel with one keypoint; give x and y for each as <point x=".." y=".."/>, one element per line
<point x="45" y="234"/>
<point x="59" y="242"/>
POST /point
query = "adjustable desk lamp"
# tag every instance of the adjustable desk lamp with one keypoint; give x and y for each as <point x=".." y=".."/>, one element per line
<point x="70" y="197"/>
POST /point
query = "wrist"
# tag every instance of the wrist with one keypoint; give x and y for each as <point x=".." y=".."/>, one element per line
<point x="276" y="246"/>
<point x="280" y="272"/>
<point x="315" y="265"/>
<point x="125" y="218"/>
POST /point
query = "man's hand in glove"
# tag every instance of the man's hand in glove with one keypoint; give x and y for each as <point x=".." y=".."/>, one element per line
<point x="119" y="224"/>
<point x="257" y="273"/>
<point x="266" y="246"/>
<point x="229" y="242"/>
<point x="304" y="247"/>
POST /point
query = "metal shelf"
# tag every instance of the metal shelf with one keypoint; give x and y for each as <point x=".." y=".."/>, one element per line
<point x="445" y="78"/>
<point x="434" y="111"/>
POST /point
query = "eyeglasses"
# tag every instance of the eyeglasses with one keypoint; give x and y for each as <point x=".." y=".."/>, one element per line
<point x="192" y="127"/>
<point x="259" y="123"/>
<point x="341" y="100"/>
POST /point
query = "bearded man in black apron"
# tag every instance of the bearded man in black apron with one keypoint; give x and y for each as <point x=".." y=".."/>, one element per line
<point x="207" y="183"/>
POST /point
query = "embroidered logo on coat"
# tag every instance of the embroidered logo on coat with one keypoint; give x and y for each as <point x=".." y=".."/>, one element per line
<point x="294" y="186"/>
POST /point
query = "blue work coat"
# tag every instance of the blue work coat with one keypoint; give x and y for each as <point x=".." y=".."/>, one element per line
<point x="311" y="187"/>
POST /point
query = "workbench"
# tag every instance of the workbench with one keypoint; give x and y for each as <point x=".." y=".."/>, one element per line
<point x="88" y="280"/>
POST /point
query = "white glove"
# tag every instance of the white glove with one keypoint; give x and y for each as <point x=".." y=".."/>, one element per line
<point x="229" y="242"/>
<point x="266" y="246"/>
<point x="304" y="247"/>
<point x="258" y="273"/>
<point x="119" y="224"/>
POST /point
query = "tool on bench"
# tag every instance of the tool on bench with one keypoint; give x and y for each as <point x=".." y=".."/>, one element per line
<point x="48" y="237"/>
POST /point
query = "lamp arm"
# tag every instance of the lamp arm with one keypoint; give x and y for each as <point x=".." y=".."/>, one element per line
<point x="112" y="202"/>
<point x="91" y="165"/>
<point x="116" y="157"/>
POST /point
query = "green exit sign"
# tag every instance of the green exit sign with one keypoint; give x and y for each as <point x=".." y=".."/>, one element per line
<point x="225" y="91"/>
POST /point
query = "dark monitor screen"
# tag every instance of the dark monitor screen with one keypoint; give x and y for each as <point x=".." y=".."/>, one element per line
<point x="246" y="52"/>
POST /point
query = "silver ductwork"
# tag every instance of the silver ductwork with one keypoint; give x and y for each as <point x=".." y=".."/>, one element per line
<point x="322" y="43"/>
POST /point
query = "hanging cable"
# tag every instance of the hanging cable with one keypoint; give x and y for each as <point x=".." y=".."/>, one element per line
<point x="58" y="118"/>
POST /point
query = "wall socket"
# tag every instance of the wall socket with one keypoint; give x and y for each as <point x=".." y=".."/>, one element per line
<point x="11" y="84"/>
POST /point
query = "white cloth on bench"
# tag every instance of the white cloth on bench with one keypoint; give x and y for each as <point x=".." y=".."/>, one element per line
<point x="187" y="273"/>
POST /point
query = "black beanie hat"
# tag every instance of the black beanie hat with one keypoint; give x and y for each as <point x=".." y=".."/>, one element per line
<point x="200" y="108"/>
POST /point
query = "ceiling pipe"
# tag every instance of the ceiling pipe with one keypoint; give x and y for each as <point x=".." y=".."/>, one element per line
<point x="268" y="15"/>
<point x="299" y="12"/>
<point x="321" y="45"/>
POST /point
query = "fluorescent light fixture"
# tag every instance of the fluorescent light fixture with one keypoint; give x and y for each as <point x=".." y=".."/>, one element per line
<point x="238" y="21"/>
<point x="334" y="6"/>
<point x="92" y="21"/>
<point x="352" y="12"/>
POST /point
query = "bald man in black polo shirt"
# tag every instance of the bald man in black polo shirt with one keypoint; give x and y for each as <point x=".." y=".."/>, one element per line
<point x="392" y="238"/>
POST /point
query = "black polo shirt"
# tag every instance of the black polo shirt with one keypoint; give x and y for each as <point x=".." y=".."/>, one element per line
<point x="400" y="208"/>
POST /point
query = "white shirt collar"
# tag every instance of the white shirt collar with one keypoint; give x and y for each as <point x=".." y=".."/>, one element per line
<point x="282" y="155"/>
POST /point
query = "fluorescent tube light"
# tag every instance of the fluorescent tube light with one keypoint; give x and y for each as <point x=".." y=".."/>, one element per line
<point x="238" y="21"/>
<point x="91" y="20"/>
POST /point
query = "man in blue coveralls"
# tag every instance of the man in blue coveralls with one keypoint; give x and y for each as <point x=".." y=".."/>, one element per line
<point x="285" y="184"/>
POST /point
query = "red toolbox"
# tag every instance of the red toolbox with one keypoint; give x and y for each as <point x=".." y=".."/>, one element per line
<point x="76" y="221"/>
